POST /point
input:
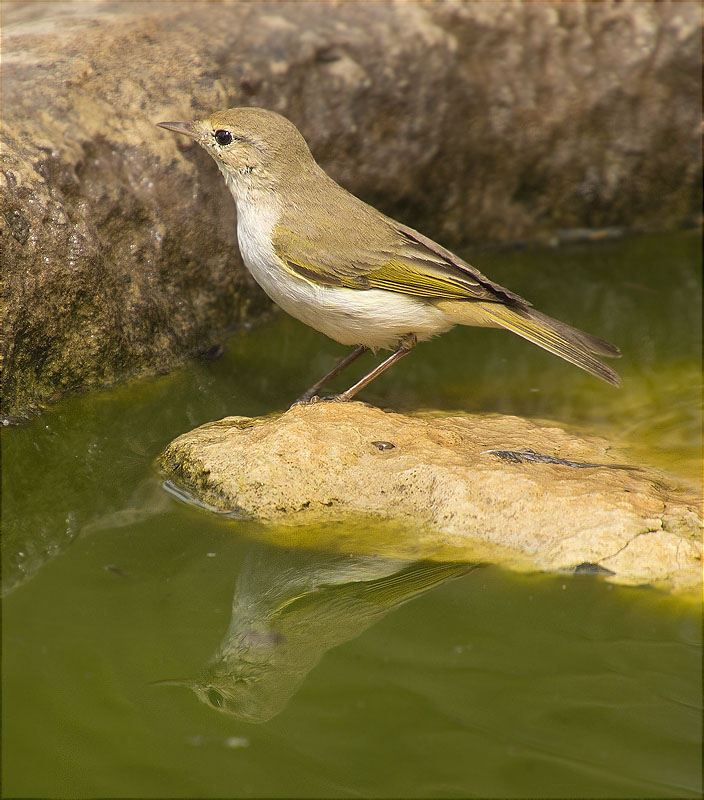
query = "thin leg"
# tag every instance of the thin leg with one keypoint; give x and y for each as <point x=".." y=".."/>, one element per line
<point x="336" y="370"/>
<point x="404" y="348"/>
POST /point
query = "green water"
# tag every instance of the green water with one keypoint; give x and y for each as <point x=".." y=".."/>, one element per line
<point x="305" y="673"/>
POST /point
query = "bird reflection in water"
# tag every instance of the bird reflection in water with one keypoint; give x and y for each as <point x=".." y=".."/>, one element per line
<point x="289" y="608"/>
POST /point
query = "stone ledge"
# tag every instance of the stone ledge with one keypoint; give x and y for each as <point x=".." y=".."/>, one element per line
<point x="316" y="467"/>
<point x="472" y="122"/>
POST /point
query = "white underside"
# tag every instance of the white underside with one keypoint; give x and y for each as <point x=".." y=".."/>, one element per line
<point x="372" y="317"/>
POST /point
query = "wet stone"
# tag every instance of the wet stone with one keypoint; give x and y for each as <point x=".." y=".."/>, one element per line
<point x="129" y="235"/>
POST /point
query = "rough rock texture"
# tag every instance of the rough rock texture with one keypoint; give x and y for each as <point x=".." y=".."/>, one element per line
<point x="329" y="462"/>
<point x="476" y="122"/>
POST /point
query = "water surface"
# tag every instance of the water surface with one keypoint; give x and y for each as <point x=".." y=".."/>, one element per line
<point x="298" y="673"/>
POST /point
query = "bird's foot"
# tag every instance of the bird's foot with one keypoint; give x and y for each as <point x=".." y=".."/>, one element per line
<point x="305" y="400"/>
<point x="342" y="398"/>
<point x="309" y="401"/>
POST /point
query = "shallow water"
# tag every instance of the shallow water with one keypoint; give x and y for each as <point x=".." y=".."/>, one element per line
<point x="302" y="673"/>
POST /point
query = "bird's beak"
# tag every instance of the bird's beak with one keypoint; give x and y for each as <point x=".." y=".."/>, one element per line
<point x="179" y="127"/>
<point x="173" y="682"/>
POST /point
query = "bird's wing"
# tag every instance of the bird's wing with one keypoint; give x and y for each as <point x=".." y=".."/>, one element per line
<point x="423" y="246"/>
<point x="402" y="261"/>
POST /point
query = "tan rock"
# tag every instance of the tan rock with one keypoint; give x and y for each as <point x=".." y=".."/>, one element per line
<point x="472" y="122"/>
<point x="355" y="478"/>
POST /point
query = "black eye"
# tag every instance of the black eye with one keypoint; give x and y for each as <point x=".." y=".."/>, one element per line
<point x="223" y="137"/>
<point x="215" y="698"/>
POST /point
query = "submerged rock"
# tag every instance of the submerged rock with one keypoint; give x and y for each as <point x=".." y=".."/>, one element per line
<point x="460" y="487"/>
<point x="472" y="122"/>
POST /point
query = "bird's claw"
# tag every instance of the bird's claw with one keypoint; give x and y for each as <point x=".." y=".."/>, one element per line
<point x="305" y="401"/>
<point x="310" y="401"/>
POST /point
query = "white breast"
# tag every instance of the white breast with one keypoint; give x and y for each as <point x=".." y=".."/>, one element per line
<point x="373" y="317"/>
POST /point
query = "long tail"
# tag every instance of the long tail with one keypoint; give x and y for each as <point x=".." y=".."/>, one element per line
<point x="575" y="346"/>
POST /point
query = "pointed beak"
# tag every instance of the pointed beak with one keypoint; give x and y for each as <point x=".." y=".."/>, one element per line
<point x="173" y="682"/>
<point x="185" y="128"/>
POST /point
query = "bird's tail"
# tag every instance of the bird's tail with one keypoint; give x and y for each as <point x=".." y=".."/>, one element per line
<point x="573" y="345"/>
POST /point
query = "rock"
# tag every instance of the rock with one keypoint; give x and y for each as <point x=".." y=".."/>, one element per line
<point x="318" y="468"/>
<point x="472" y="122"/>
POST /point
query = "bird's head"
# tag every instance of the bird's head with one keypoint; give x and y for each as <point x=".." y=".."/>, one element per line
<point x="253" y="147"/>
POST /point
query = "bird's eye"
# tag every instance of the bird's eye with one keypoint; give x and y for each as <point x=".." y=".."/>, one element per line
<point x="215" y="698"/>
<point x="223" y="138"/>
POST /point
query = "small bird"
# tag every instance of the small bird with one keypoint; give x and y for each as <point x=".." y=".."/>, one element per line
<point x="342" y="267"/>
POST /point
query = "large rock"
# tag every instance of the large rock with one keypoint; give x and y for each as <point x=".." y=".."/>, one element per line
<point x="569" y="503"/>
<point x="476" y="122"/>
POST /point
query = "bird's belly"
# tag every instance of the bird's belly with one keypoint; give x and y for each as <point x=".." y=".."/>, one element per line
<point x="372" y="317"/>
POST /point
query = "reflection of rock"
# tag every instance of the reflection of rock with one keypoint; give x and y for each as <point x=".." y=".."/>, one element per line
<point x="81" y="469"/>
<point x="320" y="463"/>
<point x="517" y="120"/>
<point x="290" y="607"/>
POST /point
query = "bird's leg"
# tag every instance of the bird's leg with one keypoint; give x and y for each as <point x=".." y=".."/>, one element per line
<point x="336" y="370"/>
<point x="407" y="343"/>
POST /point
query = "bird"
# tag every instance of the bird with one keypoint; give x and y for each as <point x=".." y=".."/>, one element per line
<point x="342" y="267"/>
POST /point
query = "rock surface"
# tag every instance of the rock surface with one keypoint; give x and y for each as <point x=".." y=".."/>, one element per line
<point x="330" y="463"/>
<point x="474" y="123"/>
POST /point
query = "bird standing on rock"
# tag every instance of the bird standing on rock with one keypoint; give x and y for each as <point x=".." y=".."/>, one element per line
<point x="345" y="269"/>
